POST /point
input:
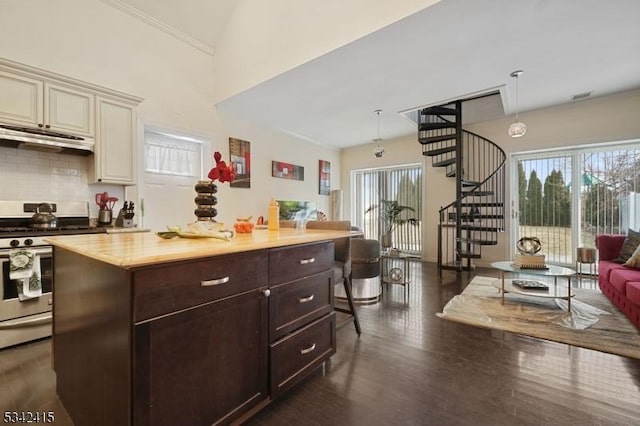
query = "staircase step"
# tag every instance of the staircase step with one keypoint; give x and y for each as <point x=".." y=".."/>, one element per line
<point x="469" y="183"/>
<point x="434" y="152"/>
<point x="435" y="126"/>
<point x="467" y="216"/>
<point x="469" y="255"/>
<point x="434" y="139"/>
<point x="451" y="173"/>
<point x="438" y="111"/>
<point x="482" y="205"/>
<point x="480" y="228"/>
<point x="469" y="193"/>
<point x="444" y="163"/>
<point x="478" y="241"/>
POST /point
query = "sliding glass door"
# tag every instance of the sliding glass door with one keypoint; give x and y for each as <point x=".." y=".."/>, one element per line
<point x="372" y="188"/>
<point x="566" y="198"/>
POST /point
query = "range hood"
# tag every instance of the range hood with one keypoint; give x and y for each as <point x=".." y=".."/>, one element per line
<point x="44" y="140"/>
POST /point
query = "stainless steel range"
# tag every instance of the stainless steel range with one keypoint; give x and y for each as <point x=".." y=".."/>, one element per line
<point x="23" y="319"/>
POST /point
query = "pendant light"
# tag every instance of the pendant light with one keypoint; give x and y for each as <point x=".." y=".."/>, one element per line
<point x="378" y="151"/>
<point x="517" y="128"/>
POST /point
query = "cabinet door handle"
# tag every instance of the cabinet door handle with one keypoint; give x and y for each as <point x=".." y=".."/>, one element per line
<point x="214" y="282"/>
<point x="306" y="299"/>
<point x="48" y="126"/>
<point x="267" y="293"/>
<point x="309" y="349"/>
<point x="307" y="261"/>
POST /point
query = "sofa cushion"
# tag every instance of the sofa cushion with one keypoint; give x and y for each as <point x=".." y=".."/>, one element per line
<point x="633" y="292"/>
<point x="634" y="260"/>
<point x="609" y="245"/>
<point x="629" y="246"/>
<point x="606" y="266"/>
<point x="620" y="277"/>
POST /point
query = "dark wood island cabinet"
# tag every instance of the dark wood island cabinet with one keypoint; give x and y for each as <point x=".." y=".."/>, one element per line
<point x="194" y="332"/>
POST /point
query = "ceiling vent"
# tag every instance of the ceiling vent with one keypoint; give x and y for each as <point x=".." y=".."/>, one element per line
<point x="580" y="96"/>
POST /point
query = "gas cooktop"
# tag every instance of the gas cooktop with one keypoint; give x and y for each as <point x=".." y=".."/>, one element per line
<point x="72" y="218"/>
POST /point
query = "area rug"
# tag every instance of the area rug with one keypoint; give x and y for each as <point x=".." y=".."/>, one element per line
<point x="593" y="323"/>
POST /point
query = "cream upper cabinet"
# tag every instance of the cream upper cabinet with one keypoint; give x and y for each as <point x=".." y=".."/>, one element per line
<point x="37" y="98"/>
<point x="21" y="100"/>
<point x="115" y="142"/>
<point x="68" y="110"/>
<point x="26" y="101"/>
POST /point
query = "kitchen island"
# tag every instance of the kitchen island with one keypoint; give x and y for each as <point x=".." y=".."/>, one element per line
<point x="149" y="331"/>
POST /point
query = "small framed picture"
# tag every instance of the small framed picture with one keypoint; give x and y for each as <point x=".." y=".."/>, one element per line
<point x="287" y="171"/>
<point x="240" y="153"/>
<point x="324" y="177"/>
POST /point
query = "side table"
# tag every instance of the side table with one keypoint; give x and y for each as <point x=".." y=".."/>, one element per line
<point x="585" y="256"/>
<point x="395" y="270"/>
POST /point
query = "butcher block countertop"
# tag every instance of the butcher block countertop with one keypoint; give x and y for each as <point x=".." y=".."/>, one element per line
<point x="130" y="250"/>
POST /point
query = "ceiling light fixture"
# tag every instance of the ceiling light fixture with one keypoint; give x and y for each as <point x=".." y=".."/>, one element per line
<point x="517" y="128"/>
<point x="378" y="151"/>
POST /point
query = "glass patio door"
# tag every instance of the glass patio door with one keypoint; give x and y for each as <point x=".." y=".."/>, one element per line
<point x="543" y="205"/>
<point x="402" y="184"/>
<point x="604" y="199"/>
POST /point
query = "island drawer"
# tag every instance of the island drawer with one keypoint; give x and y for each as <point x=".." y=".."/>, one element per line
<point x="297" y="354"/>
<point x="291" y="263"/>
<point x="296" y="303"/>
<point x="172" y="287"/>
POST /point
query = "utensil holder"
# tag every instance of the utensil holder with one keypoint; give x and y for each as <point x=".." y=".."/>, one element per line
<point x="105" y="217"/>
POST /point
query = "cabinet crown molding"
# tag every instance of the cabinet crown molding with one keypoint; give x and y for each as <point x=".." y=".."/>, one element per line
<point x="30" y="71"/>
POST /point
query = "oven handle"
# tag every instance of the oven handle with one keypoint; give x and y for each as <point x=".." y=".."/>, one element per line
<point x="4" y="254"/>
<point x="42" y="252"/>
<point x="21" y="322"/>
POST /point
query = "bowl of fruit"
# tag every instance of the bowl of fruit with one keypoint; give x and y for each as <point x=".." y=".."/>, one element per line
<point x="243" y="225"/>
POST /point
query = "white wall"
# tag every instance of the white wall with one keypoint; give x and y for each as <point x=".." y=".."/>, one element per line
<point x="266" y="146"/>
<point x="266" y="38"/>
<point x="94" y="42"/>
<point x="599" y="120"/>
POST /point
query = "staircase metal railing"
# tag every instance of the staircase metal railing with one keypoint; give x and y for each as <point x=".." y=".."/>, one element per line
<point x="476" y="215"/>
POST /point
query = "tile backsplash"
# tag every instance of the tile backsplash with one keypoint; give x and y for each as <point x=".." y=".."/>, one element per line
<point x="45" y="176"/>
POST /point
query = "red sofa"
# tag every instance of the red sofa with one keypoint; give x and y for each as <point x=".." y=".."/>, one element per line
<point x="621" y="284"/>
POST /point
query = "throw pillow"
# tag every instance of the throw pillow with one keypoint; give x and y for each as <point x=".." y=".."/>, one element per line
<point x="634" y="260"/>
<point x="629" y="246"/>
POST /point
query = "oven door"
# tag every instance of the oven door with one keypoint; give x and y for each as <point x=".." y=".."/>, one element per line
<point x="11" y="308"/>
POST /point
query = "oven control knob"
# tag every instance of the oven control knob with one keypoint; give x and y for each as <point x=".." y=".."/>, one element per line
<point x="14" y="243"/>
<point x="28" y="242"/>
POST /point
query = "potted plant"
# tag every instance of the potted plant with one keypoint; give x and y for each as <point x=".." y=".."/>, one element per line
<point x="390" y="218"/>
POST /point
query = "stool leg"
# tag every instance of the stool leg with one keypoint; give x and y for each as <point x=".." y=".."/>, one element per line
<point x="347" y="289"/>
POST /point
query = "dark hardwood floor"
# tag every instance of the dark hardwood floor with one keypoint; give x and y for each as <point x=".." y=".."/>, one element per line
<point x="411" y="368"/>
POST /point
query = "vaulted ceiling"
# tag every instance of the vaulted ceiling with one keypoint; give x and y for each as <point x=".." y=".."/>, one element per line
<point x="451" y="50"/>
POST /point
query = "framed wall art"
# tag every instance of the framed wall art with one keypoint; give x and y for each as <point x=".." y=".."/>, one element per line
<point x="240" y="153"/>
<point x="287" y="171"/>
<point x="324" y="177"/>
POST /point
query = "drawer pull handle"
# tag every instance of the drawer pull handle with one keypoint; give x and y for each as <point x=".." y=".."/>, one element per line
<point x="307" y="261"/>
<point x="307" y="350"/>
<point x="306" y="299"/>
<point x="214" y="282"/>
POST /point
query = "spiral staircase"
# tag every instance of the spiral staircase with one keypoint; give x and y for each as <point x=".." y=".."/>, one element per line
<point x="476" y="215"/>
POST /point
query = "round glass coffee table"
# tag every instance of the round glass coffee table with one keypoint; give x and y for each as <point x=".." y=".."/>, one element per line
<point x="531" y="287"/>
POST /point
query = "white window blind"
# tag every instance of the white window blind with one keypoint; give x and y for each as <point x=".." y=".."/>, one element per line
<point x="400" y="183"/>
